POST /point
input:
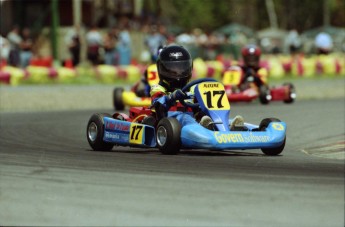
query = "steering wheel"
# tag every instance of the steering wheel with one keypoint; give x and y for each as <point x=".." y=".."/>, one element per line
<point x="189" y="85"/>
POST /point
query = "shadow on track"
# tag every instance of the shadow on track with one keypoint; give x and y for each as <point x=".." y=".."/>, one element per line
<point x="183" y="152"/>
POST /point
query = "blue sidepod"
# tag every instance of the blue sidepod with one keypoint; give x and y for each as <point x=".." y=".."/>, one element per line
<point x="128" y="133"/>
<point x="198" y="137"/>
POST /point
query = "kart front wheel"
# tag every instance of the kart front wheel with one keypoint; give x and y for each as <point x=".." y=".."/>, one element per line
<point x="291" y="93"/>
<point x="275" y="150"/>
<point x="168" y="136"/>
<point x="95" y="132"/>
<point x="117" y="99"/>
<point x="265" y="94"/>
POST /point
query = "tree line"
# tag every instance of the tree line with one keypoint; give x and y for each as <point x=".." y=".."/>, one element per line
<point x="210" y="14"/>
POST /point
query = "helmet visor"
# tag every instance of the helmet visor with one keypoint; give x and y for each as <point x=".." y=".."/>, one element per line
<point x="177" y="83"/>
<point x="176" y="69"/>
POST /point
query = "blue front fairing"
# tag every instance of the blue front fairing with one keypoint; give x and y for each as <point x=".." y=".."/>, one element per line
<point x="198" y="137"/>
<point x="193" y="135"/>
<point x="214" y="103"/>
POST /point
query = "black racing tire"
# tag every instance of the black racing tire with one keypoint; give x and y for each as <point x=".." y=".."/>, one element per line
<point x="264" y="92"/>
<point x="117" y="99"/>
<point x="292" y="90"/>
<point x="168" y="136"/>
<point x="95" y="132"/>
<point x="275" y="150"/>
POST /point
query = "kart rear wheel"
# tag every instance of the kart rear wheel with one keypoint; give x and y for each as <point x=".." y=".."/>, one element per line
<point x="168" y="136"/>
<point x="95" y="132"/>
<point x="292" y="93"/>
<point x="275" y="150"/>
<point x="117" y="99"/>
<point x="264" y="94"/>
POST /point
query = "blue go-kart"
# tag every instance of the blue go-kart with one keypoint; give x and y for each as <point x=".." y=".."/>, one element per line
<point x="172" y="133"/>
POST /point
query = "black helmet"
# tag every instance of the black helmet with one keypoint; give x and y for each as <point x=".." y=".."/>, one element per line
<point x="174" y="66"/>
<point x="251" y="55"/>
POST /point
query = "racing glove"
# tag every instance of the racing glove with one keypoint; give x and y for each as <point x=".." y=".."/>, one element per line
<point x="163" y="104"/>
<point x="177" y="95"/>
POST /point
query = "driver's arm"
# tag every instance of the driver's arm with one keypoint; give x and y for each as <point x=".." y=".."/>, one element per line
<point x="160" y="101"/>
<point x="157" y="91"/>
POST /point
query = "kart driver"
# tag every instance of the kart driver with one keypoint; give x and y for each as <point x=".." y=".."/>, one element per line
<point x="251" y="66"/>
<point x="175" y="67"/>
<point x="142" y="87"/>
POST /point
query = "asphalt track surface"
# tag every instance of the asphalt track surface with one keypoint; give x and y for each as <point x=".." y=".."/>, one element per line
<point x="49" y="175"/>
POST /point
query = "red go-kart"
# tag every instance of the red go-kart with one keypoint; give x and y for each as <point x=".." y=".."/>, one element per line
<point x="244" y="87"/>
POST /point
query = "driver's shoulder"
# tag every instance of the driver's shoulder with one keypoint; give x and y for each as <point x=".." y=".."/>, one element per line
<point x="157" y="88"/>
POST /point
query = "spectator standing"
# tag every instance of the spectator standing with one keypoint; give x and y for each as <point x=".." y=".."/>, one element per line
<point x="124" y="46"/>
<point x="74" y="45"/>
<point x="211" y="47"/>
<point x="293" y="42"/>
<point x="15" y="40"/>
<point x="94" y="43"/>
<point x="110" y="47"/>
<point x="323" y="43"/>
<point x="184" y="39"/>
<point x="4" y="50"/>
<point x="153" y="41"/>
<point x="238" y="40"/>
<point x="200" y="39"/>
<point x="26" y="48"/>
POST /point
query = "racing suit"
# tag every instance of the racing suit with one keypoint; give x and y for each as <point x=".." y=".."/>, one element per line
<point x="164" y="106"/>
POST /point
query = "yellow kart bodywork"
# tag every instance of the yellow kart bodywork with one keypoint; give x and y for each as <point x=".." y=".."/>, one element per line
<point x="131" y="99"/>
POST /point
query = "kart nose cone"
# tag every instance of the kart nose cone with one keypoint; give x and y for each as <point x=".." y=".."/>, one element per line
<point x="92" y="131"/>
<point x="161" y="136"/>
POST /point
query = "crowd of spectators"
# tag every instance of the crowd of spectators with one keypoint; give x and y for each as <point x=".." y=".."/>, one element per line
<point x="16" y="49"/>
<point x="115" y="46"/>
